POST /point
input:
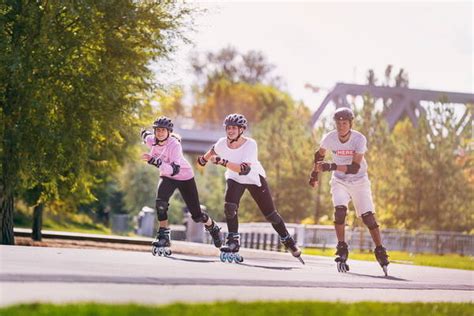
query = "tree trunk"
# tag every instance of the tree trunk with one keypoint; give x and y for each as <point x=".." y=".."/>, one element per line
<point x="6" y="219"/>
<point x="37" y="222"/>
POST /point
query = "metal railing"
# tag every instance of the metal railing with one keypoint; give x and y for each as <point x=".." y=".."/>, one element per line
<point x="262" y="236"/>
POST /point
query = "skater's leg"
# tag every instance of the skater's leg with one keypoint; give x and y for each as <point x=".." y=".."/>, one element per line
<point x="264" y="200"/>
<point x="380" y="252"/>
<point x="369" y="220"/>
<point x="340" y="221"/>
<point x="233" y="194"/>
<point x="190" y="196"/>
<point x="340" y="199"/>
<point x="166" y="188"/>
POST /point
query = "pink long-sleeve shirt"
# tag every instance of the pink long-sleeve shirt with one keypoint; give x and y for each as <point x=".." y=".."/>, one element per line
<point x="170" y="151"/>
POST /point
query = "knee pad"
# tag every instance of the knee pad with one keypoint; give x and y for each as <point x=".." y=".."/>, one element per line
<point x="369" y="220"/>
<point x="274" y="217"/>
<point x="162" y="210"/>
<point x="203" y="218"/>
<point x="340" y="215"/>
<point x="230" y="210"/>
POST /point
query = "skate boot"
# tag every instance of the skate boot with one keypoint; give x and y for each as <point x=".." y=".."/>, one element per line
<point x="342" y="253"/>
<point x="214" y="230"/>
<point x="161" y="245"/>
<point x="230" y="252"/>
<point x="382" y="257"/>
<point x="291" y="246"/>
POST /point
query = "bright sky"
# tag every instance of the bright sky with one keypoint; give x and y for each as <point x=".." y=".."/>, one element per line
<point x="322" y="43"/>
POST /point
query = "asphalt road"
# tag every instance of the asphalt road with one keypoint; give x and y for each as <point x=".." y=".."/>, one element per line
<point x="60" y="275"/>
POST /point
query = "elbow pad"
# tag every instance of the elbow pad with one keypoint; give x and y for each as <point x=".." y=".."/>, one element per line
<point x="144" y="134"/>
<point x="176" y="169"/>
<point x="318" y="157"/>
<point x="244" y="169"/>
<point x="353" y="168"/>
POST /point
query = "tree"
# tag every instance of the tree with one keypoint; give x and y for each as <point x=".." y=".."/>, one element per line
<point x="285" y="150"/>
<point x="70" y="78"/>
<point x="228" y="63"/>
<point x="432" y="186"/>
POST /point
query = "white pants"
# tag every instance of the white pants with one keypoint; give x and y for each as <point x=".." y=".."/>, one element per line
<point x="358" y="191"/>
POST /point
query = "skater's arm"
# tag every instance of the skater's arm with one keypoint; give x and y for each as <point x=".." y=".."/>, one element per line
<point x="202" y="160"/>
<point x="318" y="156"/>
<point x="241" y="168"/>
<point x="348" y="169"/>
<point x="147" y="137"/>
<point x="175" y="156"/>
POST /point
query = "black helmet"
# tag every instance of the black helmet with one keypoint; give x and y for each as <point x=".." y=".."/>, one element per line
<point x="235" y="119"/>
<point x="163" y="122"/>
<point x="343" y="114"/>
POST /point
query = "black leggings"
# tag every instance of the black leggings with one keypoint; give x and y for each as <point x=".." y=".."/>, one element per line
<point x="188" y="190"/>
<point x="261" y="196"/>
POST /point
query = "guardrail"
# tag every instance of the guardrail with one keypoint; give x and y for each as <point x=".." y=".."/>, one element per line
<point x="262" y="236"/>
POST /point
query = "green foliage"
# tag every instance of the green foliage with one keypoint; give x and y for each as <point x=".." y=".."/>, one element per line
<point x="223" y="97"/>
<point x="286" y="150"/>
<point x="211" y="186"/>
<point x="71" y="78"/>
<point x="251" y="309"/>
<point x="428" y="185"/>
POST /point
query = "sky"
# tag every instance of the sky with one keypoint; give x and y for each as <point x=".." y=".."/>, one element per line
<point x="322" y="43"/>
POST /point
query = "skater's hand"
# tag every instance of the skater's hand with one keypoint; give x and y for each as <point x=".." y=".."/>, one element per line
<point x="152" y="160"/>
<point x="201" y="161"/>
<point x="313" y="179"/>
<point x="218" y="160"/>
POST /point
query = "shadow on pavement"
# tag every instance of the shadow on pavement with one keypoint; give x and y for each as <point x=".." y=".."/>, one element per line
<point x="379" y="277"/>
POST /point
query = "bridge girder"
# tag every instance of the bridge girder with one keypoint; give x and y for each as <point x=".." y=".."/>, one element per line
<point x="405" y="101"/>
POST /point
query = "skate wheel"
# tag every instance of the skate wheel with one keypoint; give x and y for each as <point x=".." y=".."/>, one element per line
<point x="223" y="257"/>
<point x="385" y="270"/>
<point x="154" y="251"/>
<point x="342" y="267"/>
<point x="239" y="259"/>
<point x="167" y="252"/>
<point x="230" y="257"/>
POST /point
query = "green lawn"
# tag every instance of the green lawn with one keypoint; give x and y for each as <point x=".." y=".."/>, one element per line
<point x="445" y="261"/>
<point x="247" y="309"/>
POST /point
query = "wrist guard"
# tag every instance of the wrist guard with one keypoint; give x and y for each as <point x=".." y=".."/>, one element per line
<point x="220" y="161"/>
<point x="244" y="169"/>
<point x="326" y="166"/>
<point x="313" y="178"/>
<point x="155" y="161"/>
<point x="201" y="161"/>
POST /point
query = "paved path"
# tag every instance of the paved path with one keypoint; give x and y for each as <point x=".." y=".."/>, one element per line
<point x="59" y="275"/>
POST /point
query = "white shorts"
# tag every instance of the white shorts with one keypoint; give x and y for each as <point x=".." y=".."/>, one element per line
<point x="358" y="191"/>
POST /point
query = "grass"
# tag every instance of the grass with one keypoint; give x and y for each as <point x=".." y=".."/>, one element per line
<point x="454" y="261"/>
<point x="247" y="309"/>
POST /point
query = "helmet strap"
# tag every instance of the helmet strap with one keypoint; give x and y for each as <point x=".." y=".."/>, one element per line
<point x="161" y="142"/>
<point x="237" y="138"/>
